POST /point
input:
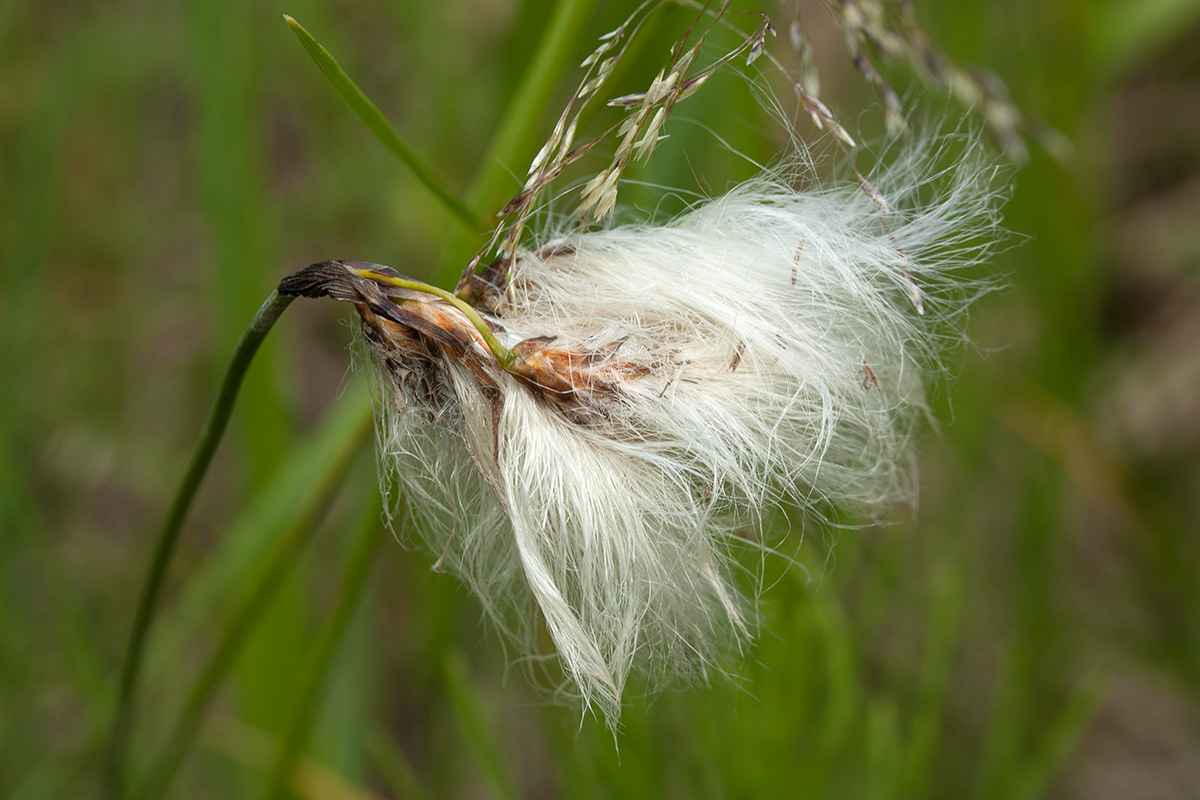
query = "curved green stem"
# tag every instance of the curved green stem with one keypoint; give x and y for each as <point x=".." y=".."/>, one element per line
<point x="206" y="446"/>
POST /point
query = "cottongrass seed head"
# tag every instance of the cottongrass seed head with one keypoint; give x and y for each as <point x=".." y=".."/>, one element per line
<point x="590" y="426"/>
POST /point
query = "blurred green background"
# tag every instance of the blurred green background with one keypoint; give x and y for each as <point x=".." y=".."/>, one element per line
<point x="1033" y="631"/>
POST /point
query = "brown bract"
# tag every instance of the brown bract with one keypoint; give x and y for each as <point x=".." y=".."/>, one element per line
<point x="411" y="334"/>
<point x="574" y="379"/>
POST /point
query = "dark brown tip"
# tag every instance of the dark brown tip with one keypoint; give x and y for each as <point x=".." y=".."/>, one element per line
<point x="318" y="280"/>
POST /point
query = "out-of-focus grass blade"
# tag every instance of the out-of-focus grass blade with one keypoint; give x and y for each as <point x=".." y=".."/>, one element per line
<point x="474" y="727"/>
<point x="273" y="511"/>
<point x="1008" y="720"/>
<point x="883" y="756"/>
<point x="844" y="697"/>
<point x="253" y="747"/>
<point x="241" y="624"/>
<point x="395" y="767"/>
<point x="34" y="173"/>
<point x="64" y="772"/>
<point x="1123" y="33"/>
<point x="358" y="569"/>
<point x="373" y="118"/>
<point x="941" y="635"/>
<point x="1059" y="741"/>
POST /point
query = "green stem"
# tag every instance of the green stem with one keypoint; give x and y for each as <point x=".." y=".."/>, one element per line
<point x="373" y="118"/>
<point x="206" y="446"/>
<point x="353" y="582"/>
<point x="241" y="625"/>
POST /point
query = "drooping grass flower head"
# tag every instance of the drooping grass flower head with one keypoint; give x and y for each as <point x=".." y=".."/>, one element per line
<point x="584" y="428"/>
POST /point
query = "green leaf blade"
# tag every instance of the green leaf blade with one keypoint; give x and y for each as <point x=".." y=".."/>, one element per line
<point x="377" y="124"/>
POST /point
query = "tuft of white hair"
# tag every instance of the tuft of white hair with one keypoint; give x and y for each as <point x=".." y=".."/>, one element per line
<point x="780" y="358"/>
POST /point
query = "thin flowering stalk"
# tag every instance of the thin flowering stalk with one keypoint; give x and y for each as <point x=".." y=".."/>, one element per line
<point x="518" y="123"/>
<point x="639" y="131"/>
<point x="557" y="151"/>
<point x="206" y="447"/>
<point x="889" y="29"/>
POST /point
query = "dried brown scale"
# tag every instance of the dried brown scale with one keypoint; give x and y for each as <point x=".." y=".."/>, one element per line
<point x="869" y="378"/>
<point x="737" y="356"/>
<point x="575" y="379"/>
<point x="406" y="329"/>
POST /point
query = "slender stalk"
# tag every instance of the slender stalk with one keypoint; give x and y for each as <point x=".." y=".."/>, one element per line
<point x="206" y="446"/>
<point x="353" y="582"/>
<point x="373" y="118"/>
<point x="242" y="623"/>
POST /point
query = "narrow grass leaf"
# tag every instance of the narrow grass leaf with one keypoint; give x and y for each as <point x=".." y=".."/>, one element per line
<point x="373" y="118"/>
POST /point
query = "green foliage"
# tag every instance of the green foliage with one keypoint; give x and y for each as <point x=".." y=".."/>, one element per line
<point x="162" y="166"/>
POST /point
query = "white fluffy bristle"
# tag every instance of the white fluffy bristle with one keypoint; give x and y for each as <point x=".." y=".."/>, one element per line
<point x="785" y="361"/>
